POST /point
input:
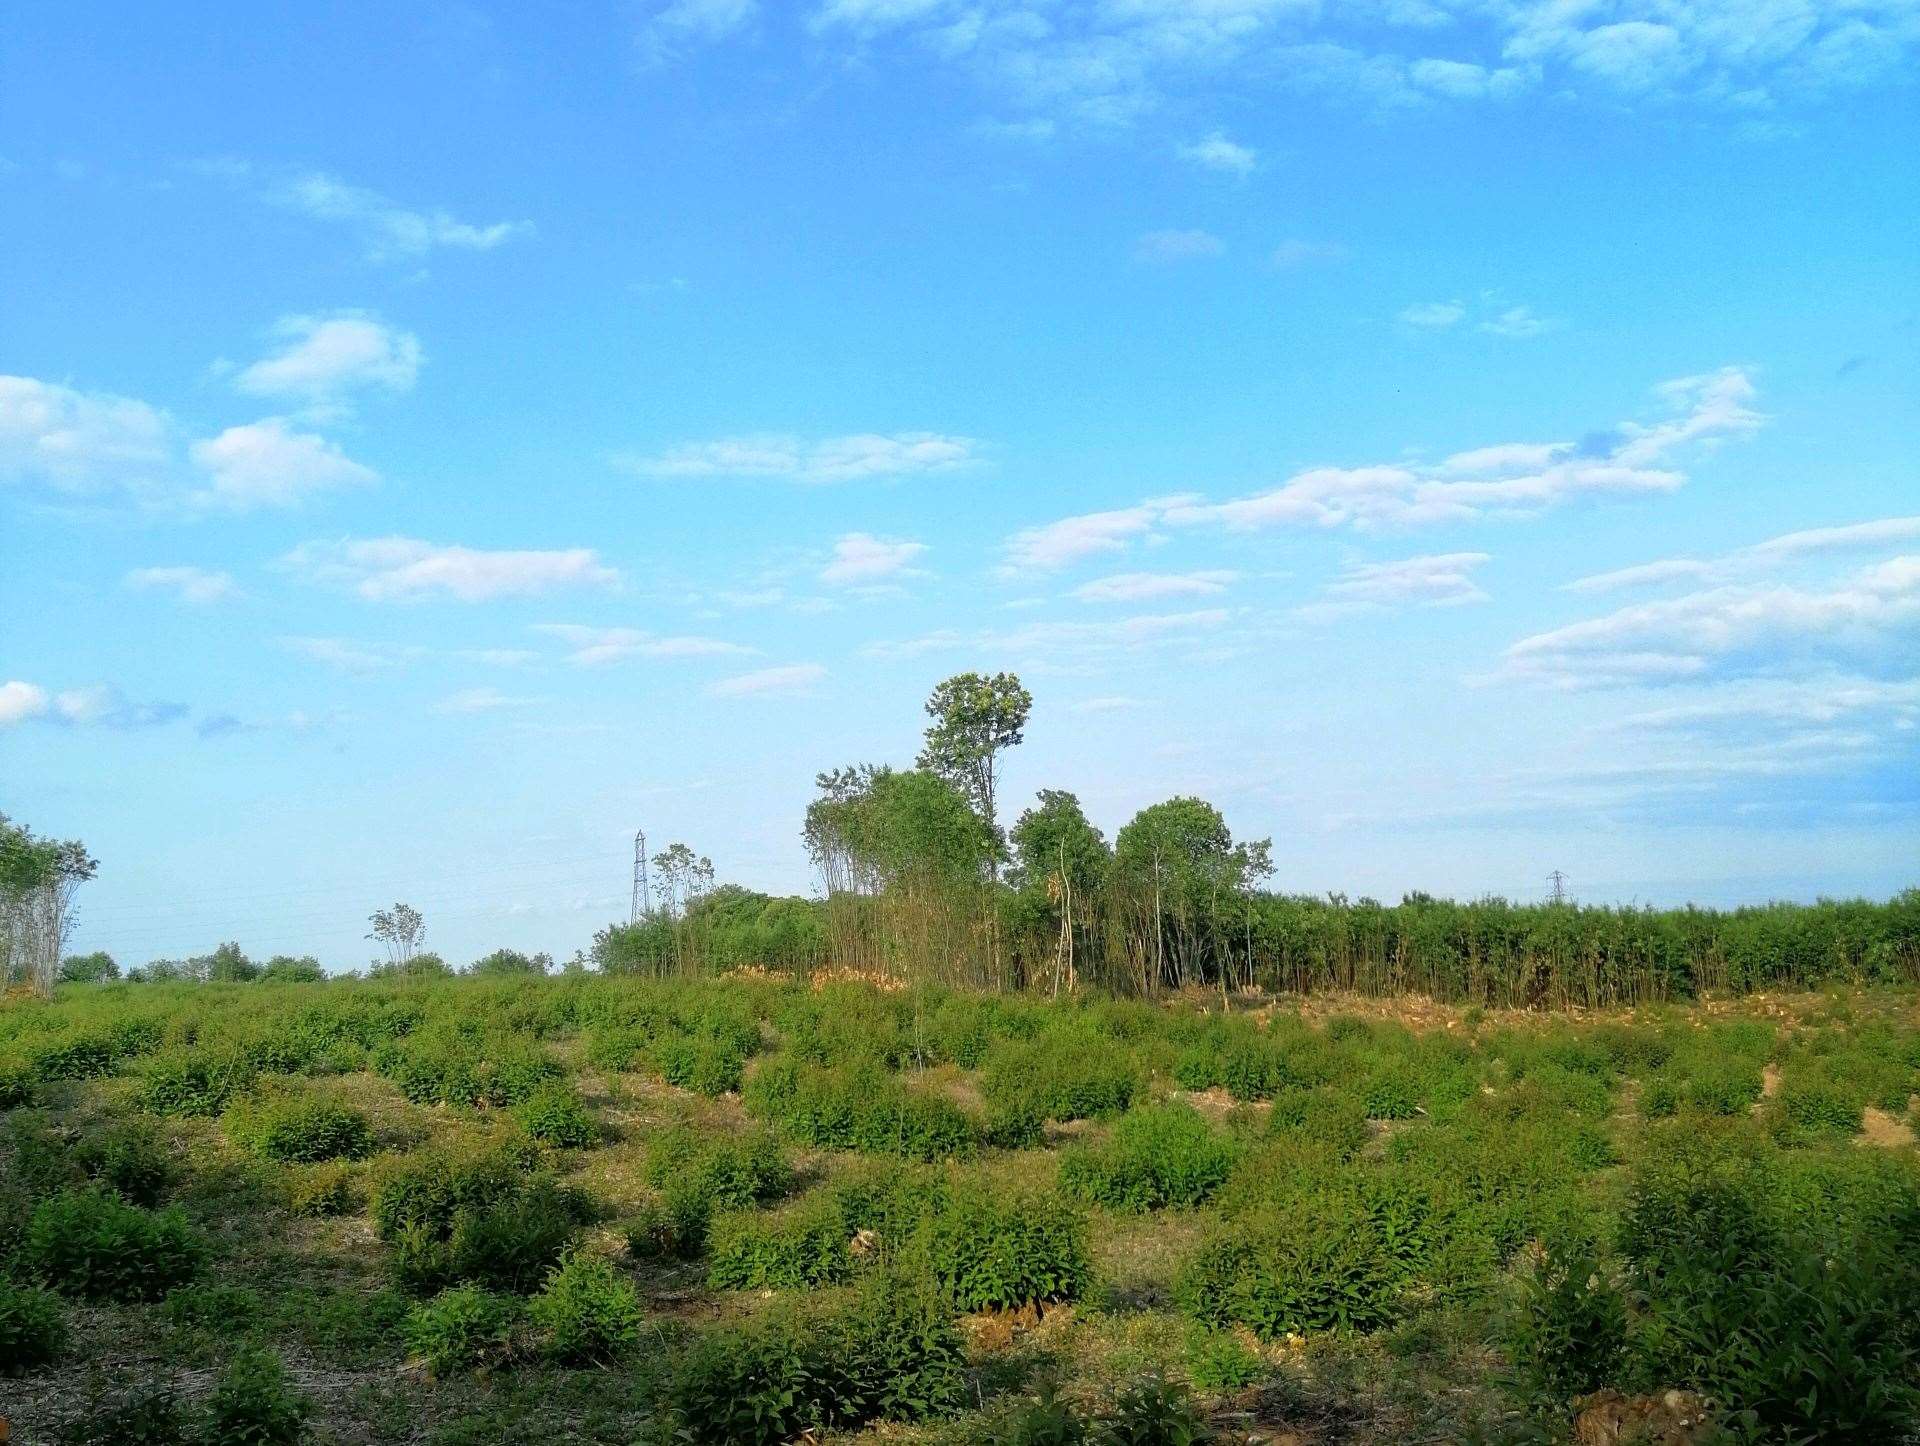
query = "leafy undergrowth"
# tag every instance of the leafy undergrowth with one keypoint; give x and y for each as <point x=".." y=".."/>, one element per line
<point x="639" y="1212"/>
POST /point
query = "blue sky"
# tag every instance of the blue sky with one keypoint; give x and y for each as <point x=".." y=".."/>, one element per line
<point x="1461" y="438"/>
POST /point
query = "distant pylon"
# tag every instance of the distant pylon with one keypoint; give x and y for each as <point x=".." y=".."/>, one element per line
<point x="1559" y="882"/>
<point x="642" y="900"/>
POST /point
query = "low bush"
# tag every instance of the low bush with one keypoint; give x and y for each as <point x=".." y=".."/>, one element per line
<point x="82" y="1056"/>
<point x="555" y="1115"/>
<point x="888" y="1352"/>
<point x="988" y="1247"/>
<point x="1286" y="1270"/>
<point x="1158" y="1156"/>
<point x="93" y="1245"/>
<point x="697" y="1175"/>
<point x="1324" y="1117"/>
<point x="33" y="1332"/>
<point x="331" y="1187"/>
<point x="154" y="1418"/>
<point x="462" y="1328"/>
<point x="193" y="1082"/>
<point x="1567" y="1332"/>
<point x="127" y="1160"/>
<point x="485" y="1217"/>
<point x="587" y="1311"/>
<point x="858" y="1108"/>
<point x="1063" y="1075"/>
<point x="791" y="1249"/>
<point x="1219" y="1360"/>
<point x="254" y="1404"/>
<point x="301" y="1129"/>
<point x="16" y="1084"/>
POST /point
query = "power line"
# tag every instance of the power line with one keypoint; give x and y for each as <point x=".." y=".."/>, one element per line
<point x="642" y="897"/>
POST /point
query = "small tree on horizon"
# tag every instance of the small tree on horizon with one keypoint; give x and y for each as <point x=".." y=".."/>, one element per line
<point x="401" y="930"/>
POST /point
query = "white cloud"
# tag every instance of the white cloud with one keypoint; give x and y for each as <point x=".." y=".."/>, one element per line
<point x="347" y="656"/>
<point x="482" y="700"/>
<point x="383" y="569"/>
<point x="1293" y="254"/>
<point x="1215" y="152"/>
<point x="672" y="29"/>
<point x="592" y="647"/>
<point x="831" y="459"/>
<point x="389" y="230"/>
<point x="771" y="682"/>
<point x="1082" y="641"/>
<point x="268" y="464"/>
<point x="20" y="701"/>
<point x="1434" y="315"/>
<point x="1071" y="538"/>
<point x="76" y="441"/>
<point x="325" y="357"/>
<point x="1881" y="534"/>
<point x="103" y="705"/>
<point x="1434" y="580"/>
<point x="860" y="557"/>
<point x="189" y="584"/>
<point x="1163" y="247"/>
<point x="1517" y="322"/>
<point x="1143" y="586"/>
<point x="1114" y="703"/>
<point x="1866" y="622"/>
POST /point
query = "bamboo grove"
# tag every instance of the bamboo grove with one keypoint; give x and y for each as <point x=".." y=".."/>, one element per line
<point x="919" y="881"/>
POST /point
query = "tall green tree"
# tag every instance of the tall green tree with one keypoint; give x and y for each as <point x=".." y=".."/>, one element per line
<point x="975" y="720"/>
<point x="1061" y="863"/>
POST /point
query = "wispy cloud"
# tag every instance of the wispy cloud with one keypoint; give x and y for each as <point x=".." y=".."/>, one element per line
<point x="1880" y="534"/>
<point x="862" y="558"/>
<point x="1434" y="580"/>
<point x="190" y="584"/>
<point x="482" y="700"/>
<point x="1160" y="248"/>
<point x="1215" y="152"/>
<point x="384" y="569"/>
<point x="79" y="442"/>
<point x="98" y="705"/>
<point x="1434" y="315"/>
<point x="388" y="230"/>
<point x="324" y="358"/>
<point x="593" y="647"/>
<point x="1145" y="586"/>
<point x="794" y="678"/>
<point x="271" y="464"/>
<point x="831" y="459"/>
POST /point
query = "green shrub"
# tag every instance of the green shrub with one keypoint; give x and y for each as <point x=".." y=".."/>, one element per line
<point x="331" y="1187"/>
<point x="779" y="1250"/>
<point x="1724" y="1087"/>
<point x="16" y="1084"/>
<point x="128" y="1161"/>
<point x="1391" y="1093"/>
<point x="1060" y="1076"/>
<point x="587" y="1311"/>
<point x="482" y="1217"/>
<point x="1567" y="1333"/>
<point x="151" y="1419"/>
<point x="33" y="1332"/>
<point x="93" y="1245"/>
<point x="988" y="1247"/>
<point x="705" y="1066"/>
<point x="462" y="1328"/>
<point x="193" y="1082"/>
<point x="254" y="1404"/>
<point x="1158" y="1156"/>
<point x="555" y="1115"/>
<point x="1323" y="1117"/>
<point x="858" y="1108"/>
<point x="79" y="1057"/>
<point x="1820" y="1106"/>
<point x="887" y="1353"/>
<point x="697" y="1175"/>
<point x="1293" y="1270"/>
<point x="302" y="1129"/>
<point x="1152" y="1412"/>
<point x="1219" y="1360"/>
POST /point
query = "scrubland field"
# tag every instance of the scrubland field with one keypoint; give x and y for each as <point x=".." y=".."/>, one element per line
<point x="748" y="1209"/>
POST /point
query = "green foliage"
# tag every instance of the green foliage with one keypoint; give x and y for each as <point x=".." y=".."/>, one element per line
<point x="153" y="1418"/>
<point x="331" y="1187"/>
<point x="1567" y="1333"/>
<point x="860" y="1107"/>
<point x="193" y="1082"/>
<point x="301" y="1129"/>
<point x="482" y="1217"/>
<point x="33" y="1332"/>
<point x="127" y="1160"/>
<point x="1064" y="1075"/>
<point x="887" y="1352"/>
<point x="1160" y="1155"/>
<point x="95" y="968"/>
<point x="1281" y="1271"/>
<point x="93" y="1245"/>
<point x="1219" y="1360"/>
<point x="587" y="1311"/>
<point x="697" y="1175"/>
<point x="254" y="1404"/>
<point x="82" y="1056"/>
<point x="16" y="1084"/>
<point x="462" y="1328"/>
<point x="555" y="1115"/>
<point x="989" y="1247"/>
<point x="806" y="1245"/>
